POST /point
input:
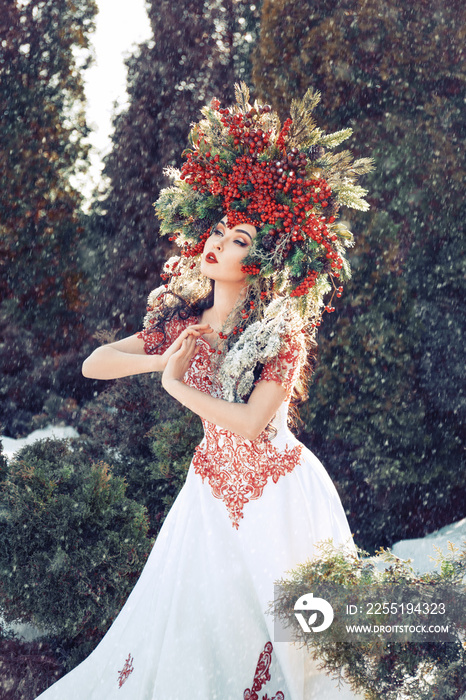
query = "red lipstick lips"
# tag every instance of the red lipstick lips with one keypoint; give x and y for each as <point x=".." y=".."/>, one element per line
<point x="210" y="258"/>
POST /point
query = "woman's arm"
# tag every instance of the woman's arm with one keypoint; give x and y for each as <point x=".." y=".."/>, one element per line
<point x="127" y="356"/>
<point x="246" y="419"/>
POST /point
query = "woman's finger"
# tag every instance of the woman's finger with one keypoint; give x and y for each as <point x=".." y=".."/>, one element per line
<point x="188" y="345"/>
<point x="200" y="327"/>
<point x="197" y="331"/>
<point x="191" y="332"/>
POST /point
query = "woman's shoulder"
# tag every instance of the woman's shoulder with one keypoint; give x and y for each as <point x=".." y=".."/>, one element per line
<point x="292" y="351"/>
<point x="284" y="368"/>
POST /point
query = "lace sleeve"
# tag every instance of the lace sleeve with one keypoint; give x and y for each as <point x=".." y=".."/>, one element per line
<point x="284" y="368"/>
<point x="154" y="341"/>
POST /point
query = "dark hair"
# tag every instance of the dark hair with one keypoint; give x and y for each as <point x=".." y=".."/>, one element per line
<point x="182" y="309"/>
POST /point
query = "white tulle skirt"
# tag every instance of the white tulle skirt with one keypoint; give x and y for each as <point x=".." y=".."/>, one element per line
<point x="195" y="627"/>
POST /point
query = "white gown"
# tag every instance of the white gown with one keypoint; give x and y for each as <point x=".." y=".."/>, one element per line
<point x="195" y="626"/>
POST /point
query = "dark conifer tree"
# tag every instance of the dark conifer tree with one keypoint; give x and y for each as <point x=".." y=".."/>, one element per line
<point x="198" y="51"/>
<point x="387" y="407"/>
<point x="41" y="147"/>
<point x="41" y="97"/>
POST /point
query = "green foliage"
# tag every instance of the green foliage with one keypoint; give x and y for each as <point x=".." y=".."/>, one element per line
<point x="44" y="48"/>
<point x="73" y="542"/>
<point x="387" y="405"/>
<point x="371" y="58"/>
<point x="378" y="665"/>
<point x="43" y="127"/>
<point x="148" y="437"/>
<point x="37" y="386"/>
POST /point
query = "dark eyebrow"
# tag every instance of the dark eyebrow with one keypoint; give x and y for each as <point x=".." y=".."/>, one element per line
<point x="240" y="230"/>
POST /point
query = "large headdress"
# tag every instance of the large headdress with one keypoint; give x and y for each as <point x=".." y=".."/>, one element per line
<point x="283" y="179"/>
<point x="288" y="182"/>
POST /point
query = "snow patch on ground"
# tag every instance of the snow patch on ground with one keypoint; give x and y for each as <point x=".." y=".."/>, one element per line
<point x="11" y="446"/>
<point x="422" y="550"/>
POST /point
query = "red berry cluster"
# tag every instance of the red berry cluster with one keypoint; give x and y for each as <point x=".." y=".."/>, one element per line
<point x="329" y="308"/>
<point x="235" y="218"/>
<point x="307" y="283"/>
<point x="202" y="171"/>
<point x="191" y="250"/>
<point x="188" y="251"/>
<point x="284" y="133"/>
<point x="253" y="269"/>
<point x="241" y="128"/>
<point x="246" y="311"/>
<point x="276" y="193"/>
<point x="170" y="272"/>
<point x="293" y="221"/>
<point x="224" y="336"/>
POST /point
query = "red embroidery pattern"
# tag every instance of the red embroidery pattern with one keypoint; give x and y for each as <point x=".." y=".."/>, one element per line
<point x="126" y="671"/>
<point x="261" y="676"/>
<point x="284" y="368"/>
<point x="238" y="469"/>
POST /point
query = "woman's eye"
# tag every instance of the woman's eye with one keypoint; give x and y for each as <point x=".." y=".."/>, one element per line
<point x="240" y="241"/>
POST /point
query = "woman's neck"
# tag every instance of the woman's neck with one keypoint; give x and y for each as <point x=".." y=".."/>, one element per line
<point x="225" y="298"/>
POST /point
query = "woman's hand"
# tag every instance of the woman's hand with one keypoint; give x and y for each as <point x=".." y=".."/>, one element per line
<point x="194" y="331"/>
<point x="178" y="363"/>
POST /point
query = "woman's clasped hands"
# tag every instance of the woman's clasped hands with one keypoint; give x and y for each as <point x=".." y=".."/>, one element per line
<point x="177" y="358"/>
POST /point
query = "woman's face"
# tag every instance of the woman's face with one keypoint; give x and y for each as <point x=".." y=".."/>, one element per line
<point x="224" y="251"/>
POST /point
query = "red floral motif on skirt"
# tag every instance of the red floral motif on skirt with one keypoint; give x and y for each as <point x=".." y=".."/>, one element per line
<point x="261" y="676"/>
<point x="237" y="469"/>
<point x="126" y="671"/>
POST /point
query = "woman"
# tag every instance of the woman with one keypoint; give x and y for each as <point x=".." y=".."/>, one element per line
<point x="230" y="331"/>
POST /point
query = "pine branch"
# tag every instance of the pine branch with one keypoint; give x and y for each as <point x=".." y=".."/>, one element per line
<point x="340" y="162"/>
<point x="333" y="140"/>
<point x="363" y="165"/>
<point x="353" y="196"/>
<point x="301" y="114"/>
<point x="242" y="96"/>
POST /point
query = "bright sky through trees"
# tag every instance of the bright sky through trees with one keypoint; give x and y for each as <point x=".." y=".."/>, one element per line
<point x="120" y="25"/>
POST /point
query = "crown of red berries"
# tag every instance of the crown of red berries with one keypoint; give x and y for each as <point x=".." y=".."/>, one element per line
<point x="282" y="179"/>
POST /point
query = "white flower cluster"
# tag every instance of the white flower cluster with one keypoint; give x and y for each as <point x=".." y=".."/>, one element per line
<point x="260" y="342"/>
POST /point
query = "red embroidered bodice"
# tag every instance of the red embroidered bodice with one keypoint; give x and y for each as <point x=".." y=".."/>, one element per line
<point x="237" y="469"/>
